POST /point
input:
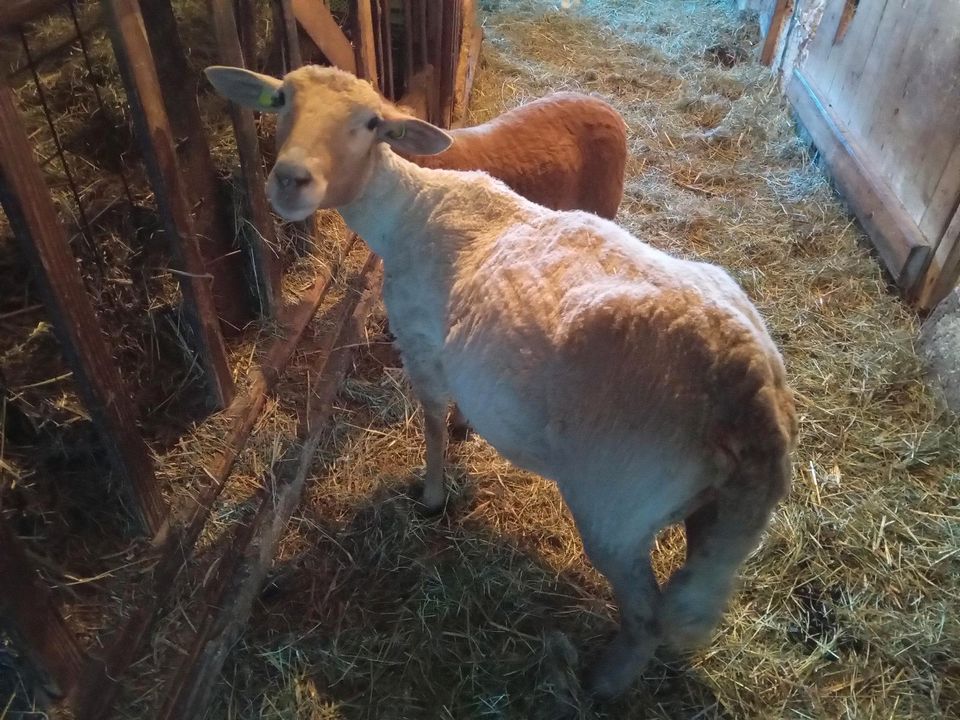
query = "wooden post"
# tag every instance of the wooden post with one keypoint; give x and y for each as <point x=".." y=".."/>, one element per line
<point x="262" y="232"/>
<point x="321" y="26"/>
<point x="212" y="215"/>
<point x="17" y="12"/>
<point x="943" y="272"/>
<point x="386" y="50"/>
<point x="27" y="610"/>
<point x="44" y="243"/>
<point x="367" y="45"/>
<point x="777" y="21"/>
<point x="245" y="13"/>
<point x="408" y="60"/>
<point x="292" y="41"/>
<point x="135" y="60"/>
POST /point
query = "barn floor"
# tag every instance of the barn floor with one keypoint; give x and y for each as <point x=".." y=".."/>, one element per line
<point x="851" y="607"/>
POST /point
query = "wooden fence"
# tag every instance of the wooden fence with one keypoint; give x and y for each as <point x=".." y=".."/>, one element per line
<point x="423" y="51"/>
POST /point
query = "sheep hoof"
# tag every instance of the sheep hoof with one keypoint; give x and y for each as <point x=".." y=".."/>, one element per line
<point x="617" y="669"/>
<point x="432" y="504"/>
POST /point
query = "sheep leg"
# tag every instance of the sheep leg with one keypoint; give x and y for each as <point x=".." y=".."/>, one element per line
<point x="423" y="378"/>
<point x="720" y="536"/>
<point x="435" y="431"/>
<point x="638" y="598"/>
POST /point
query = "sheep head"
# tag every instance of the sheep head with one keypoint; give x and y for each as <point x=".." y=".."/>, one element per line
<point x="328" y="124"/>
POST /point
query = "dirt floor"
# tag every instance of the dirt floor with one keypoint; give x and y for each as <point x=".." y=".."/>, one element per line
<point x="850" y="607"/>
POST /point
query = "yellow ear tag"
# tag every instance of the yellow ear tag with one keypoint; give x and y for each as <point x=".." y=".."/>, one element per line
<point x="267" y="98"/>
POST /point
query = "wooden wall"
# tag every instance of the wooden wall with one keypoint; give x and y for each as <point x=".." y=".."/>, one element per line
<point x="884" y="76"/>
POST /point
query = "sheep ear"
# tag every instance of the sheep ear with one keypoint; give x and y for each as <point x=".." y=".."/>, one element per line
<point x="412" y="136"/>
<point x="248" y="89"/>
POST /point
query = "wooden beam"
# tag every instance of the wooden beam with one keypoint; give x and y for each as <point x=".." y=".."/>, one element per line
<point x="44" y="243"/>
<point x="261" y="233"/>
<point x="322" y="27"/>
<point x="102" y="679"/>
<point x="777" y="21"/>
<point x="18" y="12"/>
<point x="896" y="237"/>
<point x="386" y="49"/>
<point x="212" y="216"/>
<point x="135" y="60"/>
<point x="943" y="273"/>
<point x="471" y="44"/>
<point x="248" y="558"/>
<point x="408" y="59"/>
<point x="367" y="47"/>
<point x="29" y="613"/>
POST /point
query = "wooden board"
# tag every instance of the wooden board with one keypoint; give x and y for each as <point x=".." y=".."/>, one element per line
<point x="898" y="240"/>
<point x="322" y="27"/>
<point x="135" y="60"/>
<point x="44" y="243"/>
<point x="778" y="21"/>
<point x="27" y="610"/>
<point x="211" y="214"/>
<point x="262" y="236"/>
<point x="17" y="12"/>
<point x="943" y="272"/>
<point x="367" y="47"/>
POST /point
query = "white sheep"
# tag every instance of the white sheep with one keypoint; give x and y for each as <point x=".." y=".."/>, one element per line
<point x="565" y="151"/>
<point x="646" y="386"/>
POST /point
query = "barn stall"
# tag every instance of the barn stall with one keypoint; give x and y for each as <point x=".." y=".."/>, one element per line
<point x="370" y="609"/>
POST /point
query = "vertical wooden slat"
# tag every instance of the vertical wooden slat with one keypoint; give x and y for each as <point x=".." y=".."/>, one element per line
<point x="245" y="12"/>
<point x="44" y="243"/>
<point x="211" y="214"/>
<point x="262" y="232"/>
<point x="780" y="14"/>
<point x="386" y="45"/>
<point x="447" y="12"/>
<point x="943" y="273"/>
<point x="129" y="38"/>
<point x="408" y="61"/>
<point x="367" y="46"/>
<point x="294" y="56"/>
<point x="28" y="611"/>
<point x="420" y="33"/>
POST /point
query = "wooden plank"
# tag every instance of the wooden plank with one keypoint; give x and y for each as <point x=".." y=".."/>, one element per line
<point x="135" y="61"/>
<point x="291" y="39"/>
<point x="848" y="62"/>
<point x="778" y="20"/>
<point x="471" y="44"/>
<point x="245" y="12"/>
<point x="944" y="197"/>
<point x="44" y="243"/>
<point x="386" y="43"/>
<point x="408" y="59"/>
<point x="322" y="27"/>
<point x="262" y="237"/>
<point x="249" y="557"/>
<point x="102" y="679"/>
<point x="211" y="213"/>
<point x="367" y="47"/>
<point x="943" y="273"/>
<point x="28" y="612"/>
<point x="18" y="12"/>
<point x="898" y="240"/>
<point x="421" y="35"/>
<point x="816" y="67"/>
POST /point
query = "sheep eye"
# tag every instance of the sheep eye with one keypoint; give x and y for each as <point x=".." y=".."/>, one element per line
<point x="373" y="122"/>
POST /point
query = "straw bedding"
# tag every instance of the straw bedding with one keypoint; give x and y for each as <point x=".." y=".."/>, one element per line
<point x="848" y="609"/>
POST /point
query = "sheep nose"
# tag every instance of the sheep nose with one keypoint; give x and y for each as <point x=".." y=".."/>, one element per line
<point x="292" y="175"/>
